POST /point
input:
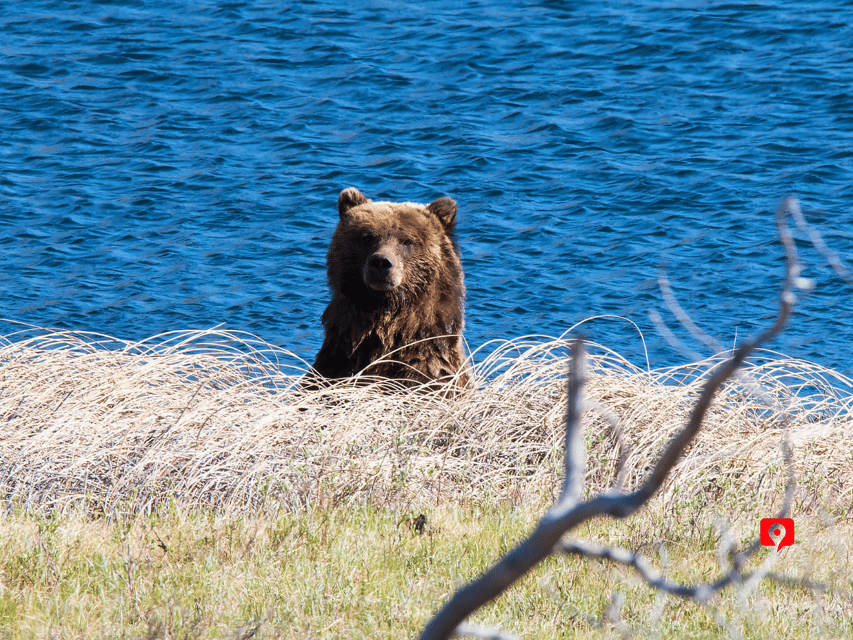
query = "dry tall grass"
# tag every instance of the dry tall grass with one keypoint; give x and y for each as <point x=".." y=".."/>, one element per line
<point x="216" y="419"/>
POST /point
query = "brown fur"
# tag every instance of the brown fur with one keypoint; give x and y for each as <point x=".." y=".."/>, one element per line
<point x="397" y="286"/>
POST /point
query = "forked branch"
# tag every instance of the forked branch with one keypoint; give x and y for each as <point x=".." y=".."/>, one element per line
<point x="568" y="513"/>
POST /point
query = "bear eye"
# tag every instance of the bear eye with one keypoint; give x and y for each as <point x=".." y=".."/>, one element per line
<point x="366" y="237"/>
<point x="407" y="242"/>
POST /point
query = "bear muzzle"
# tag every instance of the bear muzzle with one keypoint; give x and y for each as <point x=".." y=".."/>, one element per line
<point x="382" y="273"/>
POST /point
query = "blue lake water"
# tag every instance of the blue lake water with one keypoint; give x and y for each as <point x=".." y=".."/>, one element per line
<point x="168" y="169"/>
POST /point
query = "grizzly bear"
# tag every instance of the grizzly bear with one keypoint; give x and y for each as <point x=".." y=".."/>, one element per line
<point x="397" y="293"/>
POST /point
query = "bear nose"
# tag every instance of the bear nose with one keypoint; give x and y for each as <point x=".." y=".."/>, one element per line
<point x="380" y="262"/>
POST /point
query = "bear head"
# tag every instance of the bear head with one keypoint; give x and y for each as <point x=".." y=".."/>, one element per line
<point x="388" y="254"/>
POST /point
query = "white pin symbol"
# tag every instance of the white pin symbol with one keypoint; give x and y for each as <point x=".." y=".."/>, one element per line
<point x="777" y="534"/>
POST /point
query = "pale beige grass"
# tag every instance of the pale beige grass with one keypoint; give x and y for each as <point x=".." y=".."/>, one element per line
<point x="216" y="419"/>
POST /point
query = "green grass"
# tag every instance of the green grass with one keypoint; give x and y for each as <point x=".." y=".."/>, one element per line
<point x="366" y="572"/>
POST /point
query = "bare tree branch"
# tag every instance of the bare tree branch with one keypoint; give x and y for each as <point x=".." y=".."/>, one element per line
<point x="701" y="592"/>
<point x="816" y="239"/>
<point x="623" y="446"/>
<point x="651" y="575"/>
<point x="569" y="513"/>
<point x="541" y="542"/>
<point x="803" y="583"/>
<point x="723" y="373"/>
<point x="575" y="447"/>
<point x="612" y="616"/>
<point x="683" y="317"/>
<point x="670" y="337"/>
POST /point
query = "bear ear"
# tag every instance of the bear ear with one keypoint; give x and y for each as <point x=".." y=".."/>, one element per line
<point x="445" y="210"/>
<point x="348" y="199"/>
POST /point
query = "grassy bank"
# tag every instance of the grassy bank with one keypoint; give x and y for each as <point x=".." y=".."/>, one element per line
<point x="366" y="572"/>
<point x="185" y="487"/>
<point x="215" y="420"/>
